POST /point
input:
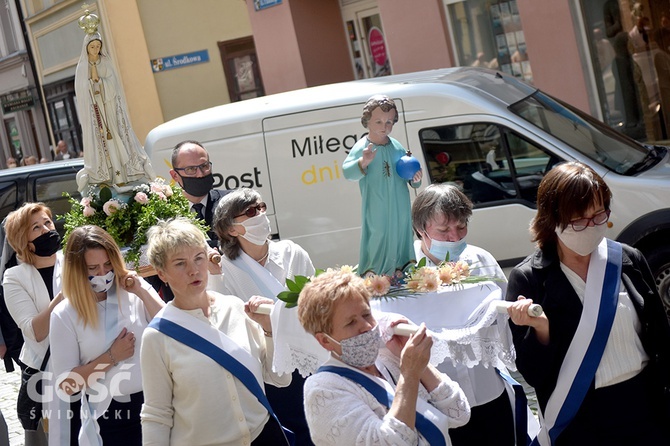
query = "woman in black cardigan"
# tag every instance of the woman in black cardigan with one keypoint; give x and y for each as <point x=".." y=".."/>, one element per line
<point x="598" y="356"/>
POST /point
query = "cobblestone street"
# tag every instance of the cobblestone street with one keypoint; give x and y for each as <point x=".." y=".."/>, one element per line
<point x="9" y="388"/>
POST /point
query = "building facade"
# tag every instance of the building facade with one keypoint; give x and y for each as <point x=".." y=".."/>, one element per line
<point x="610" y="58"/>
<point x="23" y="130"/>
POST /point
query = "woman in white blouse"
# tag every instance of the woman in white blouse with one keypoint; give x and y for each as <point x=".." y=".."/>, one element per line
<point x="365" y="394"/>
<point x="190" y="397"/>
<point x="32" y="288"/>
<point x="252" y="265"/>
<point x="94" y="335"/>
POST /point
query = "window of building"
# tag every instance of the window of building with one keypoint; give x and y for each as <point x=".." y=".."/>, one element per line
<point x="63" y="115"/>
<point x="8" y="29"/>
<point x="489" y="34"/>
<point x="629" y="45"/>
<point x="489" y="163"/>
<point x="240" y="65"/>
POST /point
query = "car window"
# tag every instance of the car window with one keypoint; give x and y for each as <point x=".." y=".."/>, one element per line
<point x="49" y="190"/>
<point x="585" y="134"/>
<point x="489" y="163"/>
<point x="8" y="199"/>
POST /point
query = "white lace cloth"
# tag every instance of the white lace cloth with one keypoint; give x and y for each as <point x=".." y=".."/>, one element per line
<point x="464" y="322"/>
<point x="466" y="328"/>
<point x="294" y="347"/>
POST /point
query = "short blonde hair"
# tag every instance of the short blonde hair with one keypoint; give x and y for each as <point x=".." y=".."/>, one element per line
<point x="319" y="298"/>
<point x="76" y="286"/>
<point x="17" y="227"/>
<point x="167" y="236"/>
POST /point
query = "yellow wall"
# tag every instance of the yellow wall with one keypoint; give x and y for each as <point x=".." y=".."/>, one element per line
<point x="174" y="27"/>
<point x="122" y="22"/>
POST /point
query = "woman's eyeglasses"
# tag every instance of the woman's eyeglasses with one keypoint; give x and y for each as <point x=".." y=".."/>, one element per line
<point x="205" y="168"/>
<point x="254" y="210"/>
<point x="599" y="219"/>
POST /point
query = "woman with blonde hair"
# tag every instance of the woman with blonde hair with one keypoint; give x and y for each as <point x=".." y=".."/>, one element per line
<point x="32" y="290"/>
<point x="207" y="396"/>
<point x="93" y="334"/>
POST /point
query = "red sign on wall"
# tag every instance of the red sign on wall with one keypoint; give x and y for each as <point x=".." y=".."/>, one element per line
<point x="377" y="46"/>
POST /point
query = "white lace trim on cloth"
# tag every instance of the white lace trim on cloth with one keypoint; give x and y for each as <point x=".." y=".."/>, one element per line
<point x="463" y="320"/>
<point x="294" y="347"/>
<point x="465" y="325"/>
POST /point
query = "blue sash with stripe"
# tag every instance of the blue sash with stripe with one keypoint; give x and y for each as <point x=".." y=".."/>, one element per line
<point x="429" y="431"/>
<point x="187" y="337"/>
<point x="607" y="304"/>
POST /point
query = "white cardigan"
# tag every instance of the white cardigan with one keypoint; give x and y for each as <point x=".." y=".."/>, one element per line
<point x="26" y="296"/>
<point x="285" y="260"/>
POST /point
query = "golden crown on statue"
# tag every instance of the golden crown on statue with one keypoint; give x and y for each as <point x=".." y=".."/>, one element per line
<point x="88" y="22"/>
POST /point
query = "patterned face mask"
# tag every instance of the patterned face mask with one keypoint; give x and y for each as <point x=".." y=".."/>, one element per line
<point x="102" y="284"/>
<point x="360" y="350"/>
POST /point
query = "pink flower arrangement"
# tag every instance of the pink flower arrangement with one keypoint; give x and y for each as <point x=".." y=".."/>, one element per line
<point x="128" y="215"/>
<point x="111" y="206"/>
<point x="141" y="198"/>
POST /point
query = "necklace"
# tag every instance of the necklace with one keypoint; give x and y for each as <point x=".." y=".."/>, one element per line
<point x="262" y="259"/>
<point x="94" y="63"/>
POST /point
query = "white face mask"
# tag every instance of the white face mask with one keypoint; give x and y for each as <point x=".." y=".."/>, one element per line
<point x="582" y="242"/>
<point x="257" y="229"/>
<point x="102" y="284"/>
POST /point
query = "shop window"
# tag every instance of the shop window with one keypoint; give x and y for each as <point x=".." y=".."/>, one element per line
<point x="487" y="162"/>
<point x="489" y="34"/>
<point x="630" y="53"/>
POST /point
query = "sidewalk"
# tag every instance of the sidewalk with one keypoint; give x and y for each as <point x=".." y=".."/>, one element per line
<point x="9" y="388"/>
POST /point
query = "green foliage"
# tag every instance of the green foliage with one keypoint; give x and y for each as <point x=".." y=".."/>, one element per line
<point x="128" y="216"/>
<point x="295" y="286"/>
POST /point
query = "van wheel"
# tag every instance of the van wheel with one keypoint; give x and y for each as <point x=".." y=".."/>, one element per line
<point x="659" y="262"/>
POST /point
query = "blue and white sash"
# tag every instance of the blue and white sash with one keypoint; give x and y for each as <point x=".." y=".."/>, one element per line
<point x="215" y="344"/>
<point x="89" y="435"/>
<point x="526" y="426"/>
<point x="581" y="361"/>
<point x="430" y="423"/>
<point x="268" y="284"/>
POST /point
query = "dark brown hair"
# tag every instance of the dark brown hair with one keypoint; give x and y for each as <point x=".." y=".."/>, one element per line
<point x="568" y="189"/>
<point x="378" y="101"/>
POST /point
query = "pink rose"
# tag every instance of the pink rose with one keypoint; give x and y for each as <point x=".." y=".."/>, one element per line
<point x="167" y="190"/>
<point x="111" y="207"/>
<point x="86" y="201"/>
<point x="141" y="198"/>
<point x="156" y="188"/>
<point x="88" y="211"/>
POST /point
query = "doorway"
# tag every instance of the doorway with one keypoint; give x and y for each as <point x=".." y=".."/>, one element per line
<point x="367" y="42"/>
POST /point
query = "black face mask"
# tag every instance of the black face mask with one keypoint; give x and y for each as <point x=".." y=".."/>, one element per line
<point x="47" y="244"/>
<point x="198" y="187"/>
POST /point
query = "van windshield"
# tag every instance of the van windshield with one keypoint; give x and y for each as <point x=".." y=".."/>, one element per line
<point x="587" y="135"/>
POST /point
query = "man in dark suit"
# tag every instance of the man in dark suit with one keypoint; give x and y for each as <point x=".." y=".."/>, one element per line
<point x="192" y="170"/>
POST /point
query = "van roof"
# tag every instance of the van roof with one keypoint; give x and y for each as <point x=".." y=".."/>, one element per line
<point x="467" y="85"/>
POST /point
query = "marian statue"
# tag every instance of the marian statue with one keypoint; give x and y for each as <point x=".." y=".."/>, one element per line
<point x="113" y="156"/>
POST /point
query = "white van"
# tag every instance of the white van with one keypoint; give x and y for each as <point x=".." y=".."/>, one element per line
<point x="290" y="147"/>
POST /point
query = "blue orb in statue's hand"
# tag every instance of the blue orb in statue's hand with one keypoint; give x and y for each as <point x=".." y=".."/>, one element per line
<point x="407" y="167"/>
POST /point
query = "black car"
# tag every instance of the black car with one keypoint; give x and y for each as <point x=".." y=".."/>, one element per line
<point x="40" y="182"/>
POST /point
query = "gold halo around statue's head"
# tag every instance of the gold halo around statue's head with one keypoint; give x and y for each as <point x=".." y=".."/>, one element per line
<point x="89" y="22"/>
